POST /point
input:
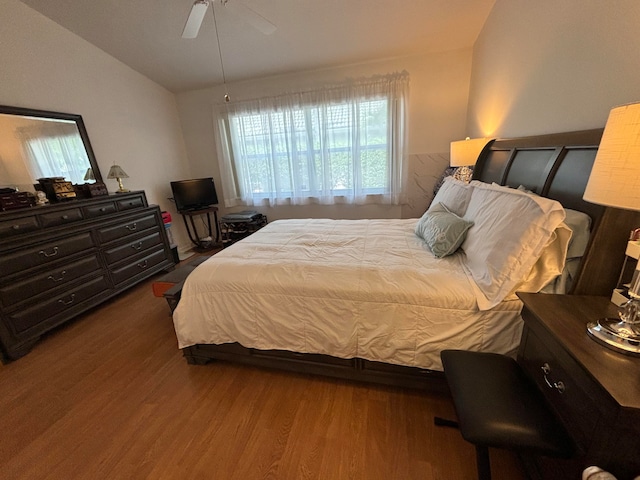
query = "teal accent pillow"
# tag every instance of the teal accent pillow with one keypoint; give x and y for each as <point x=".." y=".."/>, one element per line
<point x="442" y="230"/>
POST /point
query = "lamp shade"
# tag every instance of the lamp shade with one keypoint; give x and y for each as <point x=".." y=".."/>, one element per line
<point x="89" y="174"/>
<point x="116" y="172"/>
<point x="464" y="153"/>
<point x="615" y="176"/>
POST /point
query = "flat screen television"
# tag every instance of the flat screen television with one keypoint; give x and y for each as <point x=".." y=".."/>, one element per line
<point x="194" y="194"/>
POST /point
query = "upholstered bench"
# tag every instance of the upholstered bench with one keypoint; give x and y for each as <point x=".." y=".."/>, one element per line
<point x="170" y="285"/>
<point x="499" y="406"/>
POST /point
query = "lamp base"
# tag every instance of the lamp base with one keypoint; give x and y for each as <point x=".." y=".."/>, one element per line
<point x="124" y="190"/>
<point x="616" y="335"/>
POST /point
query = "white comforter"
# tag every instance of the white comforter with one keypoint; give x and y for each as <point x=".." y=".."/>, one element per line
<point x="363" y="288"/>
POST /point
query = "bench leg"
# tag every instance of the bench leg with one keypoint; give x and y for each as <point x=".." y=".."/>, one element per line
<point x="483" y="463"/>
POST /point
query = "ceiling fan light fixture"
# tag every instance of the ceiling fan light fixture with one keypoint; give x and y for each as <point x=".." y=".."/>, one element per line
<point x="198" y="11"/>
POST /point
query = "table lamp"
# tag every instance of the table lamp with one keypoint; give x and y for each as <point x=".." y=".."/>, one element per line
<point x="89" y="175"/>
<point x="464" y="154"/>
<point x="116" y="172"/>
<point x="615" y="182"/>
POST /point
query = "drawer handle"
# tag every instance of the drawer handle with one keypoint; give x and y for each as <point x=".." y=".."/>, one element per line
<point x="68" y="302"/>
<point x="559" y="386"/>
<point x="143" y="265"/>
<point x="137" y="246"/>
<point x="65" y="217"/>
<point x="131" y="227"/>
<point x="53" y="253"/>
<point x="60" y="278"/>
<point x="103" y="209"/>
<point x="16" y="227"/>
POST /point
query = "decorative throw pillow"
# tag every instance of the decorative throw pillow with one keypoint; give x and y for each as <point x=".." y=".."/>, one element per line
<point x="442" y="230"/>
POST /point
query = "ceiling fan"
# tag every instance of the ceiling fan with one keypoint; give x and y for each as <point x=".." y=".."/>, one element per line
<point x="199" y="9"/>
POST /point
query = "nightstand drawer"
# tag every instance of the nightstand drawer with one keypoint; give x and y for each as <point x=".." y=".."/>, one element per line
<point x="564" y="384"/>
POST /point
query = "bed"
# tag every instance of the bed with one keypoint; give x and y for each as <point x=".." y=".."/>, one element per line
<point x="367" y="300"/>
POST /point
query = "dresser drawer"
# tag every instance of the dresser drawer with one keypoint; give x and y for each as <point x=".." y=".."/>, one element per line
<point x="132" y="247"/>
<point x="18" y="226"/>
<point x="18" y="291"/>
<point x="139" y="265"/>
<point x="129" y="227"/>
<point x="60" y="217"/>
<point x="99" y="210"/>
<point x="564" y="384"/>
<point x="131" y="202"/>
<point x="44" y="253"/>
<point x="32" y="316"/>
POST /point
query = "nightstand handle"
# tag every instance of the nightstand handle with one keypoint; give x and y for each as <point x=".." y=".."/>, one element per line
<point x="559" y="386"/>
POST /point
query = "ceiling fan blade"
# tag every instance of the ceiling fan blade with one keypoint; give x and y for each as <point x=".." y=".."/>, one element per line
<point x="250" y="16"/>
<point x="192" y="27"/>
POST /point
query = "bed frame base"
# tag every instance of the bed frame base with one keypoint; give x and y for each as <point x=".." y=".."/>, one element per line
<point x="555" y="166"/>
<point x="353" y="369"/>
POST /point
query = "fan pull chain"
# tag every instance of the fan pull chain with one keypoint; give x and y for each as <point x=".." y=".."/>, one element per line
<point x="224" y="79"/>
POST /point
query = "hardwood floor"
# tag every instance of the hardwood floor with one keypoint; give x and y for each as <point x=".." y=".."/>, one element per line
<point x="109" y="396"/>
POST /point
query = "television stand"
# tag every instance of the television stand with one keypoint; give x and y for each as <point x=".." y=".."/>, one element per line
<point x="200" y="245"/>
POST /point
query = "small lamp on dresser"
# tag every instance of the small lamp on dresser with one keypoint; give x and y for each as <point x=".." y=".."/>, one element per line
<point x="464" y="154"/>
<point x="118" y="173"/>
<point x="615" y="182"/>
<point x="89" y="176"/>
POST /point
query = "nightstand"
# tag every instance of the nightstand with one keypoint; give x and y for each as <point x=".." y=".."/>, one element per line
<point x="594" y="391"/>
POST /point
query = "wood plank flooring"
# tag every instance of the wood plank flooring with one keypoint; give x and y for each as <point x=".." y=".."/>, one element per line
<point x="109" y="396"/>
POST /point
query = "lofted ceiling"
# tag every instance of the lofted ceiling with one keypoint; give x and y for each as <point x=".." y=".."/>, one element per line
<point x="311" y="34"/>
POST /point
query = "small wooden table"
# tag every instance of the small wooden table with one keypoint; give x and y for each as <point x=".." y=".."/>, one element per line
<point x="201" y="246"/>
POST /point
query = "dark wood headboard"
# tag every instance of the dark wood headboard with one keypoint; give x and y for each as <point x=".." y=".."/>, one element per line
<point x="557" y="166"/>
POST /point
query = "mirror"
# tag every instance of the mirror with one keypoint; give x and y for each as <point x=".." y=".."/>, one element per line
<point x="36" y="144"/>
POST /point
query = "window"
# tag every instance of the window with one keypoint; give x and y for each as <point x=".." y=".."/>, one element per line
<point x="344" y="144"/>
<point x="54" y="149"/>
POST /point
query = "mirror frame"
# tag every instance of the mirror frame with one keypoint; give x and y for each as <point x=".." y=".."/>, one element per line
<point x="30" y="112"/>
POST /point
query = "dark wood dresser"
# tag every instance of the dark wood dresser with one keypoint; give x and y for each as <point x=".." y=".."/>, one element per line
<point x="58" y="261"/>
<point x="594" y="391"/>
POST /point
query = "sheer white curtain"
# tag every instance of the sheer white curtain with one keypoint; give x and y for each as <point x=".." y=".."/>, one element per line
<point x="55" y="150"/>
<point x="340" y="144"/>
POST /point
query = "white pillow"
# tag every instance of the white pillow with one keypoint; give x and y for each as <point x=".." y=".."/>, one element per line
<point x="550" y="264"/>
<point x="455" y="195"/>
<point x="511" y="229"/>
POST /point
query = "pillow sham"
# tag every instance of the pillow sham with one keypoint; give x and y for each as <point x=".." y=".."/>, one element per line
<point x="510" y="232"/>
<point x="550" y="264"/>
<point x="442" y="230"/>
<point x="455" y="195"/>
<point x="580" y="225"/>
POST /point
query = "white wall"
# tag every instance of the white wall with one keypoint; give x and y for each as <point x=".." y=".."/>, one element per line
<point x="439" y="85"/>
<point x="130" y="120"/>
<point x="553" y="66"/>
